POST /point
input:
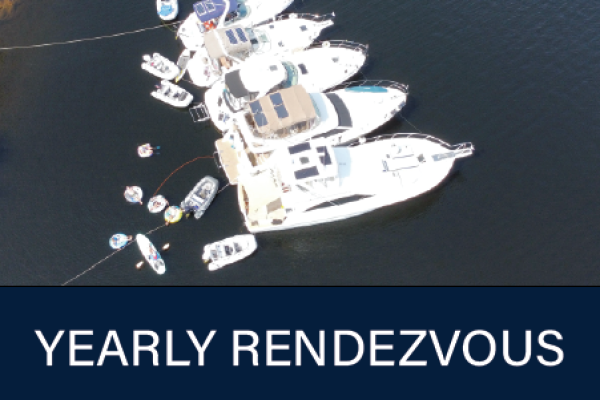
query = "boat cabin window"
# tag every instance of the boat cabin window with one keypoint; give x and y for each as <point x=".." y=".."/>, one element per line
<point x="303" y="69"/>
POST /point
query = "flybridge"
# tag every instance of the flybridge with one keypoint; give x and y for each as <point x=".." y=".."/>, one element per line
<point x="348" y="348"/>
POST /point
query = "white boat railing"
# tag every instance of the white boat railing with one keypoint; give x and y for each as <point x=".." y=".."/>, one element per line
<point x="460" y="149"/>
<point x="307" y="16"/>
<point x="343" y="44"/>
<point x="381" y="83"/>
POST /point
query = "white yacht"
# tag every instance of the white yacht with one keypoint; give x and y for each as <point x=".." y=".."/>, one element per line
<point x="313" y="182"/>
<point x="317" y="69"/>
<point x="209" y="14"/>
<point x="227" y="47"/>
<point x="340" y="115"/>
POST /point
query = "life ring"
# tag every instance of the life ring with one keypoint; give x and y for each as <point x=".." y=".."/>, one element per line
<point x="173" y="214"/>
<point x="157" y="203"/>
<point x="145" y="150"/>
<point x="119" y="240"/>
<point x="208" y="25"/>
<point x="133" y="194"/>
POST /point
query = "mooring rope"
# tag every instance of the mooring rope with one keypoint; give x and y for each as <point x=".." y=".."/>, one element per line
<point x="410" y="123"/>
<point x="110" y="255"/>
<point x="171" y="174"/>
<point x="87" y="39"/>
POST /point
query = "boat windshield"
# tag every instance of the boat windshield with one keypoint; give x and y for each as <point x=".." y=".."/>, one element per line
<point x="292" y="75"/>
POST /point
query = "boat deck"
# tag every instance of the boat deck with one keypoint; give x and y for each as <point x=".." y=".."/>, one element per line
<point x="229" y="160"/>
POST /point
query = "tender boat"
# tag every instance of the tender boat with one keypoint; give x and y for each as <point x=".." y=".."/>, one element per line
<point x="157" y="203"/>
<point x="227" y="47"/>
<point x="119" y="240"/>
<point x="317" y="69"/>
<point x="228" y="251"/>
<point x="198" y="200"/>
<point x="209" y="14"/>
<point x="160" y="66"/>
<point x="151" y="255"/>
<point x="173" y="214"/>
<point x="313" y="182"/>
<point x="167" y="9"/>
<point x="182" y="63"/>
<point x="133" y="194"/>
<point x="172" y="94"/>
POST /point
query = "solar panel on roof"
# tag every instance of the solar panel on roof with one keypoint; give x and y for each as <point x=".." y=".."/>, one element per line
<point x="260" y="119"/>
<point x="276" y="99"/>
<point x="255" y="107"/>
<point x="231" y="36"/>
<point x="281" y="112"/>
<point x="241" y="34"/>
<point x="299" y="148"/>
<point x="306" y="173"/>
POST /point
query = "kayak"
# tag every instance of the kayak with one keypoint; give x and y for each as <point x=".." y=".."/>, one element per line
<point x="151" y="255"/>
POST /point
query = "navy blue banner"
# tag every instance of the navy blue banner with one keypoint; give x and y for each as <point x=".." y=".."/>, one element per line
<point x="299" y="342"/>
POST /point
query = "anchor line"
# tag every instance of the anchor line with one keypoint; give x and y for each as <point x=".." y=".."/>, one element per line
<point x="109" y="256"/>
<point x="410" y="123"/>
<point x="181" y="166"/>
<point x="88" y="39"/>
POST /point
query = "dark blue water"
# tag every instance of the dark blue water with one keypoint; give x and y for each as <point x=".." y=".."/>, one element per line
<point x="517" y="78"/>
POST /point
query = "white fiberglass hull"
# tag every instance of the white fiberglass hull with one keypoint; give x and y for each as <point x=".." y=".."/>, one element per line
<point x="371" y="181"/>
<point x="256" y="11"/>
<point x="283" y="37"/>
<point x="316" y="69"/>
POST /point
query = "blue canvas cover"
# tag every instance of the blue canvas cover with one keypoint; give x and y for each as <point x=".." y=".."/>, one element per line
<point x="211" y="9"/>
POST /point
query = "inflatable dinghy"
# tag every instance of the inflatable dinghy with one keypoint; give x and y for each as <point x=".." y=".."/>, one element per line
<point x="160" y="66"/>
<point x="172" y="94"/>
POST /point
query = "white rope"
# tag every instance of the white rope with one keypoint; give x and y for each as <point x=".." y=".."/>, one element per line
<point x="109" y="256"/>
<point x="86" y="39"/>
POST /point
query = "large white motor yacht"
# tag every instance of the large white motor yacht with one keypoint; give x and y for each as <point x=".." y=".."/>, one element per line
<point x="209" y="14"/>
<point x="227" y="47"/>
<point x="317" y="69"/>
<point x="313" y="182"/>
<point x="340" y="115"/>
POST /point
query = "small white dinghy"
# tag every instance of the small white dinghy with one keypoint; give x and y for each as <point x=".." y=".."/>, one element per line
<point x="172" y="94"/>
<point x="150" y="253"/>
<point x="182" y="63"/>
<point x="228" y="251"/>
<point x="133" y="194"/>
<point x="167" y="9"/>
<point x="160" y="66"/>
<point x="157" y="204"/>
